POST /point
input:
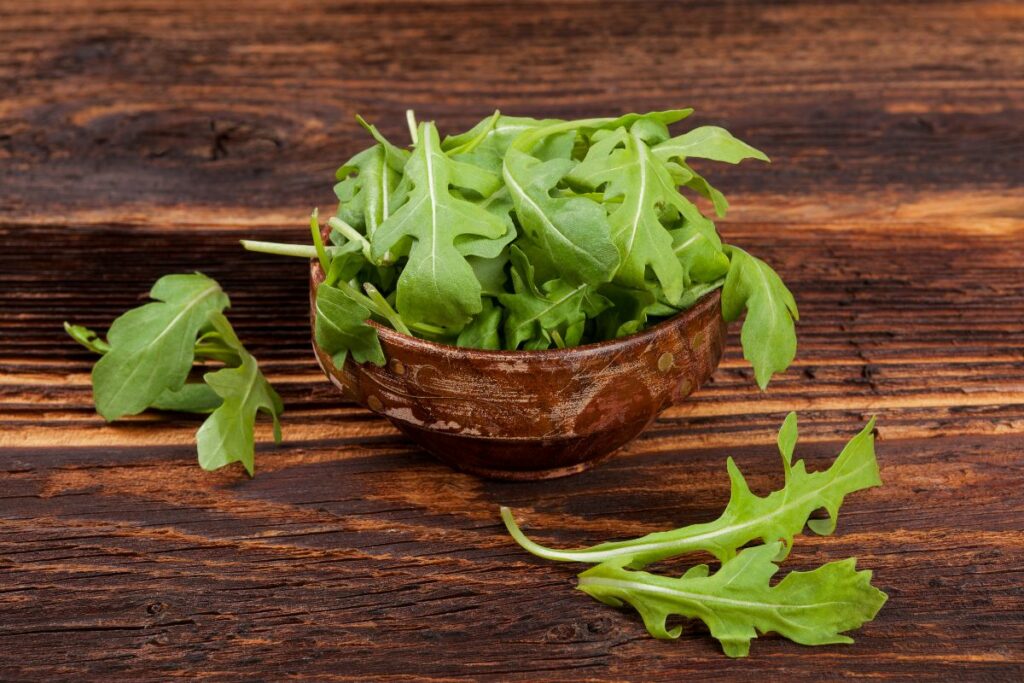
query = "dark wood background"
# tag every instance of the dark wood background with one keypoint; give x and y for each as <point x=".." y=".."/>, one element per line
<point x="141" y="138"/>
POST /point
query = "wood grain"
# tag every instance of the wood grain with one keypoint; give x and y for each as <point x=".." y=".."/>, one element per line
<point x="140" y="138"/>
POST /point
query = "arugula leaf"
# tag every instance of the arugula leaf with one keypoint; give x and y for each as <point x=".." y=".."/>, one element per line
<point x="535" y="313"/>
<point x="626" y="314"/>
<point x="340" y="328"/>
<point x="573" y="231"/>
<point x="192" y="397"/>
<point x="623" y="164"/>
<point x="768" y="335"/>
<point x="737" y="602"/>
<point x="87" y="338"/>
<point x="748" y="517"/>
<point x="437" y="285"/>
<point x="708" y="142"/>
<point x="701" y="258"/>
<point x="485" y="144"/>
<point x="147" y="341"/>
<point x="227" y="435"/>
<point x="152" y="347"/>
<point x="482" y="332"/>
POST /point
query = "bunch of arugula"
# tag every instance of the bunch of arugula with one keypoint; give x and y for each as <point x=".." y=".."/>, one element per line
<point x="527" y="234"/>
<point x="148" y="357"/>
<point x="737" y="602"/>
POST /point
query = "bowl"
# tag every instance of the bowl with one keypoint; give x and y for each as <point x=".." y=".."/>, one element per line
<point x="527" y="415"/>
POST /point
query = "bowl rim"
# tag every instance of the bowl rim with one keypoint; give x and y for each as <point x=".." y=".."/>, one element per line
<point x="395" y="338"/>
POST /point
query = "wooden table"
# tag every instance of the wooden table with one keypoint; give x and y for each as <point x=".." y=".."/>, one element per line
<point x="141" y="138"/>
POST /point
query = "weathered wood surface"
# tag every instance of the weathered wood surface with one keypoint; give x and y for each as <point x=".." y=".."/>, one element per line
<point x="143" y="138"/>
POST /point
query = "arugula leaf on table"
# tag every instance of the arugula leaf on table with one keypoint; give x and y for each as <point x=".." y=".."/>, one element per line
<point x="87" y="338"/>
<point x="192" y="397"/>
<point x="437" y="285"/>
<point x="737" y="601"/>
<point x="188" y="323"/>
<point x="748" y="517"/>
<point x="768" y="334"/>
<point x="227" y="436"/>
<point x="340" y="328"/>
<point x="152" y="347"/>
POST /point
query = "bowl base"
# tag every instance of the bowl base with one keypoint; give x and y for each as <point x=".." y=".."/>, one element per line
<point x="519" y="459"/>
<point x="521" y="475"/>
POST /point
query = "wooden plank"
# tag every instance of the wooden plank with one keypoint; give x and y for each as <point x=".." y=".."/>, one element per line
<point x="140" y="138"/>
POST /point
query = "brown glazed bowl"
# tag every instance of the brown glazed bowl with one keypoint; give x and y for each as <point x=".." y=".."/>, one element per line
<point x="525" y="415"/>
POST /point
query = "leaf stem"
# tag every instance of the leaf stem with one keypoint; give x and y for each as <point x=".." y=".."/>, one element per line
<point x="410" y="119"/>
<point x="386" y="310"/>
<point x="318" y="240"/>
<point x="281" y="249"/>
<point x="352" y="235"/>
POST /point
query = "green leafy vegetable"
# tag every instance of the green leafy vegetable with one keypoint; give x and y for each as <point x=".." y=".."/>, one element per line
<point x="150" y="354"/>
<point x="192" y="397"/>
<point x="227" y="435"/>
<point x="623" y="165"/>
<point x="572" y="231"/>
<point x="340" y="328"/>
<point x="598" y="207"/>
<point x="768" y="334"/>
<point x="748" y="517"/>
<point x="708" y="142"/>
<point x="437" y="284"/>
<point x="151" y="347"/>
<point x="737" y="602"/>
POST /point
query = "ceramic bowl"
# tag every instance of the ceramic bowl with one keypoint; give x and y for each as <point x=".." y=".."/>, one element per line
<point x="526" y="415"/>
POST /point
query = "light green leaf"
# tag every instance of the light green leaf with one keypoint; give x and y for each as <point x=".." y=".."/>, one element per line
<point x="152" y="347"/>
<point x="573" y="231"/>
<point x="737" y="602"/>
<point x="340" y="328"/>
<point x="437" y="285"/>
<point x="227" y="436"/>
<point x="87" y="338"/>
<point x="748" y="517"/>
<point x="702" y="259"/>
<point x="623" y="165"/>
<point x="486" y="143"/>
<point x="192" y="397"/>
<point x="707" y="142"/>
<point x="768" y="334"/>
